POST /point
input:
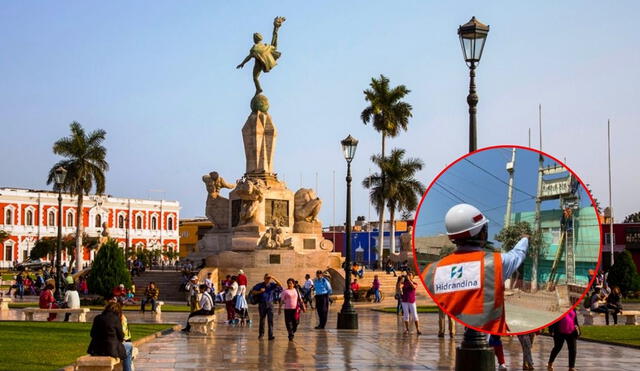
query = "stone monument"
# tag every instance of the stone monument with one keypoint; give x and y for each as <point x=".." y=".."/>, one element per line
<point x="263" y="226"/>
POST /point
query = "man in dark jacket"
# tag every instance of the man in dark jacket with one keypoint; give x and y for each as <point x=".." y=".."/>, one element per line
<point x="107" y="336"/>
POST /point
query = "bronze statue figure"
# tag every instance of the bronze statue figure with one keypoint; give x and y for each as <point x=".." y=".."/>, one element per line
<point x="265" y="55"/>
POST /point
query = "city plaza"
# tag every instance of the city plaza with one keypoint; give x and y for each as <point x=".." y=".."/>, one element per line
<point x="255" y="223"/>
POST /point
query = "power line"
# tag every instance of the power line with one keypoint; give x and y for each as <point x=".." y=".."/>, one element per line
<point x="500" y="180"/>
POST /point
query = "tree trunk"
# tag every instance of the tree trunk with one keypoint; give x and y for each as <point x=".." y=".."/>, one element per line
<point x="381" y="216"/>
<point x="392" y="233"/>
<point x="79" y="231"/>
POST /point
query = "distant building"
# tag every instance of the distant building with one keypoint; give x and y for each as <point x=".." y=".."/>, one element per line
<point x="364" y="242"/>
<point x="192" y="231"/>
<point x="626" y="236"/>
<point x="28" y="215"/>
<point x="586" y="244"/>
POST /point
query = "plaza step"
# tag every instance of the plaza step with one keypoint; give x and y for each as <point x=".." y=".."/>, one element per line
<point x="167" y="281"/>
<point x="388" y="283"/>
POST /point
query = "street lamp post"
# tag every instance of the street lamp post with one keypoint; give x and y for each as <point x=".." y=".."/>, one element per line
<point x="474" y="353"/>
<point x="473" y="35"/>
<point x="347" y="317"/>
<point x="60" y="175"/>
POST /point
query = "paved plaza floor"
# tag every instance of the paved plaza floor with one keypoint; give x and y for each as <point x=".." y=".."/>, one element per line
<point x="378" y="344"/>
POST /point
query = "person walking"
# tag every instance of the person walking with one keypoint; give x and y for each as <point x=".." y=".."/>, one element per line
<point x="323" y="289"/>
<point x="71" y="300"/>
<point x="206" y="306"/>
<point x="107" y="337"/>
<point x="265" y="291"/>
<point x="566" y="330"/>
<point x="496" y="342"/>
<point x="211" y="289"/>
<point x="398" y="295"/>
<point x="526" y="342"/>
<point x="193" y="293"/>
<point x="19" y="286"/>
<point x="409" y="309"/>
<point x="307" y="290"/>
<point x="293" y="305"/>
<point x="151" y="293"/>
<point x="230" y="298"/>
<point x="375" y="286"/>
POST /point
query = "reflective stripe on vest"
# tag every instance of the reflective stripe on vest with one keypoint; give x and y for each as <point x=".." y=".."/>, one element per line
<point x="490" y="311"/>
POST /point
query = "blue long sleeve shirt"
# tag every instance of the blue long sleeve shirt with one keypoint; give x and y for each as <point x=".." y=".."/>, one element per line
<point x="322" y="286"/>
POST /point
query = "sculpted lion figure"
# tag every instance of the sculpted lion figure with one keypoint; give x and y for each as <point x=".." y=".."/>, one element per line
<point x="306" y="205"/>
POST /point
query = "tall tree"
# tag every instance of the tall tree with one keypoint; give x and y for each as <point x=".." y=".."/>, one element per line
<point x="632" y="218"/>
<point x="388" y="114"/>
<point x="401" y="189"/>
<point x="85" y="162"/>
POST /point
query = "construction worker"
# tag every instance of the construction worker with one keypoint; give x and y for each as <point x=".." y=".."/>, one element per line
<point x="469" y="283"/>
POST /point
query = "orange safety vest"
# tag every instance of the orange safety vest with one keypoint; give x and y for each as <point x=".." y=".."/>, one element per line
<point x="469" y="285"/>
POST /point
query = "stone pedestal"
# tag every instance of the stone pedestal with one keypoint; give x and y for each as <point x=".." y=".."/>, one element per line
<point x="307" y="227"/>
<point x="4" y="303"/>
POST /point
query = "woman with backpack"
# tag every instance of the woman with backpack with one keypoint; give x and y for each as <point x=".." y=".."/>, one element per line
<point x="293" y="305"/>
<point x="566" y="330"/>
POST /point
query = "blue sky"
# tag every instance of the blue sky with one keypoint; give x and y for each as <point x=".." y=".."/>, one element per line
<point x="160" y="78"/>
<point x="481" y="180"/>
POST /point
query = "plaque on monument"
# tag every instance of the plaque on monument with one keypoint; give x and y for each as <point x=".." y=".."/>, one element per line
<point x="274" y="258"/>
<point x="276" y="213"/>
<point x="309" y="244"/>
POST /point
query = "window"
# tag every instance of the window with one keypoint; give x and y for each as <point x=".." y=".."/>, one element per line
<point x="154" y="223"/>
<point x="69" y="219"/>
<point x="28" y="218"/>
<point x="52" y="218"/>
<point x="98" y="221"/>
<point x="138" y="222"/>
<point x="170" y="223"/>
<point x="8" y="251"/>
<point x="120" y="221"/>
<point x="8" y="217"/>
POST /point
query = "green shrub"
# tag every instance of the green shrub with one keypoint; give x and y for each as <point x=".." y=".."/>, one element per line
<point x="624" y="274"/>
<point x="108" y="270"/>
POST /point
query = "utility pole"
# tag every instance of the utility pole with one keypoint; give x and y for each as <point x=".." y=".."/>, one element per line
<point x="610" y="204"/>
<point x="510" y="169"/>
<point x="534" y="265"/>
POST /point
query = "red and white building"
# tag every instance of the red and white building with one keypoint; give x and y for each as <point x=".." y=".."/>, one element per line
<point x="28" y="215"/>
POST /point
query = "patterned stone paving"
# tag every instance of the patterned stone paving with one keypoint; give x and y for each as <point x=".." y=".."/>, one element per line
<point x="378" y="344"/>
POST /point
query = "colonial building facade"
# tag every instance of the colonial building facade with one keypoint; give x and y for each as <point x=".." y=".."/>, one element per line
<point x="28" y="215"/>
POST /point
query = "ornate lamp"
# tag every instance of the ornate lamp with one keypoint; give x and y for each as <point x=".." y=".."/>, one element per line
<point x="60" y="175"/>
<point x="349" y="145"/>
<point x="473" y="35"/>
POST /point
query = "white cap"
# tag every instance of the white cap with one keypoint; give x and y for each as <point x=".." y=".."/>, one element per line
<point x="194" y="278"/>
<point x="464" y="221"/>
<point x="241" y="271"/>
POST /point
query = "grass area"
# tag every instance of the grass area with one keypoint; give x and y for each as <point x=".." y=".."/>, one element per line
<point x="629" y="335"/>
<point x="7" y="277"/>
<point x="421" y="309"/>
<point x="631" y="300"/>
<point x="165" y="308"/>
<point x="51" y="345"/>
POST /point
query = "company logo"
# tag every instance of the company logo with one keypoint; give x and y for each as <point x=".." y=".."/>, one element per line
<point x="456" y="271"/>
<point x="457" y="277"/>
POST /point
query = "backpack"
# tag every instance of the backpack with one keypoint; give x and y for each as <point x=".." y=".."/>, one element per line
<point x="253" y="299"/>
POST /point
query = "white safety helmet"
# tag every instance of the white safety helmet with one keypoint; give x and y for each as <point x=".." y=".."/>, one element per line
<point x="464" y="221"/>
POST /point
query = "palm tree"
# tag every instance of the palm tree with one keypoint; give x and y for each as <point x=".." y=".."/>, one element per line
<point x="388" y="114"/>
<point x="402" y="190"/>
<point x="86" y="166"/>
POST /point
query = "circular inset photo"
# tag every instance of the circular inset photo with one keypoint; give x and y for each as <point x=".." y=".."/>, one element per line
<point x="507" y="240"/>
